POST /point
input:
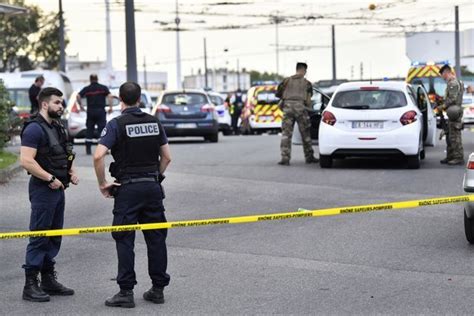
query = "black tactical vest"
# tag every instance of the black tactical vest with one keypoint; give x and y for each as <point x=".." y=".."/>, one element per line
<point x="56" y="156"/>
<point x="138" y="147"/>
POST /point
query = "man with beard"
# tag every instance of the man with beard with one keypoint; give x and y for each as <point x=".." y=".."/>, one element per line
<point x="47" y="157"/>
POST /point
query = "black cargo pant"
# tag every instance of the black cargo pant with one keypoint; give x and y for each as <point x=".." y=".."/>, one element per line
<point x="95" y="117"/>
<point x="142" y="203"/>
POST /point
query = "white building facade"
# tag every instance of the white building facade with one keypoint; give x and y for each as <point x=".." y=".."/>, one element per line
<point x="219" y="80"/>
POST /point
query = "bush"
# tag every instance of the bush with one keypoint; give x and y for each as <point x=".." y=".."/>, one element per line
<point x="7" y="121"/>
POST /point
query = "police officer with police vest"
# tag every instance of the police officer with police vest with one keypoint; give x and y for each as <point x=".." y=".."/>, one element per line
<point x="453" y="107"/>
<point x="96" y="95"/>
<point x="48" y="158"/>
<point x="141" y="155"/>
<point x="295" y="93"/>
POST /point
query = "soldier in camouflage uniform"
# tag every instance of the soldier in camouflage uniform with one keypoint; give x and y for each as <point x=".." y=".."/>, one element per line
<point x="295" y="93"/>
<point x="453" y="107"/>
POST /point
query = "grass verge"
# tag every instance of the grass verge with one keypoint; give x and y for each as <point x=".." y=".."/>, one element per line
<point x="7" y="159"/>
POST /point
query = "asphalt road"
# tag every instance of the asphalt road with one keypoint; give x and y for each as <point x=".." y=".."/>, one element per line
<point x="413" y="261"/>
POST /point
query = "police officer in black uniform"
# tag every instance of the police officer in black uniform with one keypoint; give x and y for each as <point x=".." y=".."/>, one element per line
<point x="47" y="156"/>
<point x="236" y="111"/>
<point x="96" y="95"/>
<point x="141" y="154"/>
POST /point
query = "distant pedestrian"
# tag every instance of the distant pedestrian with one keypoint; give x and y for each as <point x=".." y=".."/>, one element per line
<point x="48" y="157"/>
<point x="295" y="93"/>
<point x="453" y="107"/>
<point x="236" y="111"/>
<point x="97" y="96"/>
<point x="33" y="94"/>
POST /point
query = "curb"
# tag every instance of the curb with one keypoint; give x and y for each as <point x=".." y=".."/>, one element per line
<point x="7" y="173"/>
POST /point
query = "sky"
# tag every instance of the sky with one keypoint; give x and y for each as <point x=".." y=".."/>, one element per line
<point x="373" y="38"/>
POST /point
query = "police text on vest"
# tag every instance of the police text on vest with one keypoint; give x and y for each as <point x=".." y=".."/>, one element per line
<point x="142" y="130"/>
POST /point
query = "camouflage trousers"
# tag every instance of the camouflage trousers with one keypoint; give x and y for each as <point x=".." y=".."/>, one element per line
<point x="295" y="112"/>
<point x="454" y="146"/>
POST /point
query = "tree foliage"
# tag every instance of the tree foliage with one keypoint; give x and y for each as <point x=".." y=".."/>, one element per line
<point x="5" y="120"/>
<point x="265" y="76"/>
<point x="29" y="40"/>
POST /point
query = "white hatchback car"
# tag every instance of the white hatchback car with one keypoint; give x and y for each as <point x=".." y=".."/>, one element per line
<point x="377" y="119"/>
<point x="468" y="106"/>
<point x="223" y="115"/>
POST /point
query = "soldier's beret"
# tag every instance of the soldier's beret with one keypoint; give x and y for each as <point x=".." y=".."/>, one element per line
<point x="445" y="67"/>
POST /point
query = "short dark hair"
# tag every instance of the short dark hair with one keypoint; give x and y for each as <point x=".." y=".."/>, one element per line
<point x="130" y="93"/>
<point x="301" y="66"/>
<point x="93" y="78"/>
<point x="46" y="93"/>
<point x="444" y="68"/>
<point x="39" y="78"/>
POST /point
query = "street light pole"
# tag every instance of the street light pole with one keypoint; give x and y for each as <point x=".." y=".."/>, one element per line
<point x="108" y="35"/>
<point x="333" y="55"/>
<point x="205" y="65"/>
<point x="62" y="45"/>
<point x="277" y="49"/>
<point x="457" y="48"/>
<point x="130" y="41"/>
<point x="178" y="49"/>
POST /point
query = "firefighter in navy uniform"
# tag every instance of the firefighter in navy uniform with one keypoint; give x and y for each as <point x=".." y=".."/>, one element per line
<point x="141" y="154"/>
<point x="48" y="158"/>
<point x="97" y="96"/>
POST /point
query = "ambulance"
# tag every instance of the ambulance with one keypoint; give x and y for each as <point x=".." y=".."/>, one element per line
<point x="262" y="112"/>
<point x="427" y="75"/>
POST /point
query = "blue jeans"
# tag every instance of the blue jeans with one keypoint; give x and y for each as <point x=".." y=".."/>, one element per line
<point x="47" y="212"/>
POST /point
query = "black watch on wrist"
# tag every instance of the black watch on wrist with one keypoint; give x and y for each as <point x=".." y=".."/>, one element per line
<point x="52" y="179"/>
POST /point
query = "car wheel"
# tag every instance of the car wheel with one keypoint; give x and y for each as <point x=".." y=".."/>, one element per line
<point x="214" y="138"/>
<point x="469" y="228"/>
<point x="227" y="132"/>
<point x="422" y="154"/>
<point x="325" y="161"/>
<point x="414" y="161"/>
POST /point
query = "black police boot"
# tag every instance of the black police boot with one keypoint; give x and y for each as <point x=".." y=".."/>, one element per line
<point x="155" y="295"/>
<point x="32" y="292"/>
<point x="284" y="162"/>
<point x="124" y="298"/>
<point x="50" y="285"/>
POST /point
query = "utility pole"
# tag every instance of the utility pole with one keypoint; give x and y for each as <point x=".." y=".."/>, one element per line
<point x="333" y="55"/>
<point x="277" y="48"/>
<point x="178" y="50"/>
<point x="62" y="45"/>
<point x="206" y="81"/>
<point x="361" y="70"/>
<point x="130" y="39"/>
<point x="145" y="81"/>
<point x="108" y="35"/>
<point x="457" y="48"/>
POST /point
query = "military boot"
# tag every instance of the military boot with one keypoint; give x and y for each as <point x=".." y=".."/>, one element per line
<point x="284" y="162"/>
<point x="50" y="284"/>
<point x="456" y="162"/>
<point x="444" y="161"/>
<point x="155" y="295"/>
<point x="312" y="159"/>
<point x="124" y="298"/>
<point x="32" y="292"/>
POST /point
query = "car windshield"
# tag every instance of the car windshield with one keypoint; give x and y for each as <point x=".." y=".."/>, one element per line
<point x="369" y="99"/>
<point x="216" y="100"/>
<point x="267" y="97"/>
<point x="184" y="99"/>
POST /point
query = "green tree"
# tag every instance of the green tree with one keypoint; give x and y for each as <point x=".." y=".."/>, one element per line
<point x="29" y="40"/>
<point x="265" y="76"/>
<point x="5" y="120"/>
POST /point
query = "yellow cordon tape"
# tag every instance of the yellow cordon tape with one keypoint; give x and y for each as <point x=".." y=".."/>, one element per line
<point x="243" y="219"/>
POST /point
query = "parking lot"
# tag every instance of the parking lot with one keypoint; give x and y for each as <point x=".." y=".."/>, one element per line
<point x="362" y="263"/>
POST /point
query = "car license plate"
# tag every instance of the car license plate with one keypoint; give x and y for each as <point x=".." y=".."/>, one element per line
<point x="367" y="125"/>
<point x="186" y="125"/>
